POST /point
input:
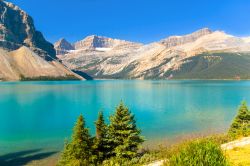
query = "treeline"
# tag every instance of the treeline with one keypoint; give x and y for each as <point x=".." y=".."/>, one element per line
<point x="117" y="141"/>
<point x="49" y="78"/>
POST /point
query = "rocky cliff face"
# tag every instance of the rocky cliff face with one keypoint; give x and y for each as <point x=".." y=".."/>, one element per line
<point x="17" y="29"/>
<point x="168" y="58"/>
<point x="24" y="53"/>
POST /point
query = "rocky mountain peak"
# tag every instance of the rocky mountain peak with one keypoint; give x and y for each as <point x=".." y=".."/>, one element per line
<point x="17" y="29"/>
<point x="63" y="44"/>
<point x="173" y="41"/>
<point x="94" y="41"/>
<point x="202" y="32"/>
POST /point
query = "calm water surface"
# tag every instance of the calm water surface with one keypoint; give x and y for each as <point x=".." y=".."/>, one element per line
<point x="37" y="115"/>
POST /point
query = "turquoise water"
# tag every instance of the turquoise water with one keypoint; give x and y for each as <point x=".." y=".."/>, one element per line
<point x="37" y="115"/>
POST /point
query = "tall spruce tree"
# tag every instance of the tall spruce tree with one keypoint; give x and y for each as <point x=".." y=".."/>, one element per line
<point x="124" y="134"/>
<point x="101" y="145"/>
<point x="78" y="151"/>
<point x="241" y="124"/>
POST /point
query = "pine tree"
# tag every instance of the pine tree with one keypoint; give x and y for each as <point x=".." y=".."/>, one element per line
<point x="101" y="146"/>
<point x="78" y="152"/>
<point x="241" y="124"/>
<point x="124" y="134"/>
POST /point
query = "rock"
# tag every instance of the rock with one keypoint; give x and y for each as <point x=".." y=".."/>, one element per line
<point x="17" y="29"/>
<point x="236" y="144"/>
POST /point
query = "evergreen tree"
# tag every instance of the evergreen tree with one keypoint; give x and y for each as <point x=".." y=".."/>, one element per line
<point x="124" y="134"/>
<point x="241" y="124"/>
<point x="101" y="146"/>
<point x="78" y="152"/>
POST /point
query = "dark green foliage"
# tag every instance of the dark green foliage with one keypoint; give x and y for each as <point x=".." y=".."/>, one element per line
<point x="215" y="66"/>
<point x="101" y="142"/>
<point x="48" y="78"/>
<point x="124" y="134"/>
<point x="78" y="152"/>
<point x="241" y="124"/>
<point x="199" y="153"/>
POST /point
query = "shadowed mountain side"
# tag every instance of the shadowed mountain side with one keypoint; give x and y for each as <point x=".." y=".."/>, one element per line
<point x="84" y="75"/>
<point x="23" y="157"/>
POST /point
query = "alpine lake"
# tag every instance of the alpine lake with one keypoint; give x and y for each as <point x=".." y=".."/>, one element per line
<point x="39" y="116"/>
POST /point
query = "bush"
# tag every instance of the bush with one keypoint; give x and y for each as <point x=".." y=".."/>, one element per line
<point x="199" y="153"/>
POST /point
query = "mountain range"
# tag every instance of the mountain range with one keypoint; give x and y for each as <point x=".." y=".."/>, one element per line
<point x="204" y="54"/>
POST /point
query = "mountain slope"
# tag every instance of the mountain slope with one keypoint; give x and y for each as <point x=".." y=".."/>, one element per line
<point x="215" y="66"/>
<point x="159" y="60"/>
<point x="24" y="64"/>
<point x="6" y="67"/>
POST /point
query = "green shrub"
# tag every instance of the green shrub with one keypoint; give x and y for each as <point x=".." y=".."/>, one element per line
<point x="199" y="153"/>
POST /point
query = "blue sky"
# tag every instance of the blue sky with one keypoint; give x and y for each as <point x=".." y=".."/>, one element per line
<point x="136" y="20"/>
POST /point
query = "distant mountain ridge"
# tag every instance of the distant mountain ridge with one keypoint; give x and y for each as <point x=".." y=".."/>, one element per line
<point x="165" y="59"/>
<point x="94" y="41"/>
<point x="173" y="41"/>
